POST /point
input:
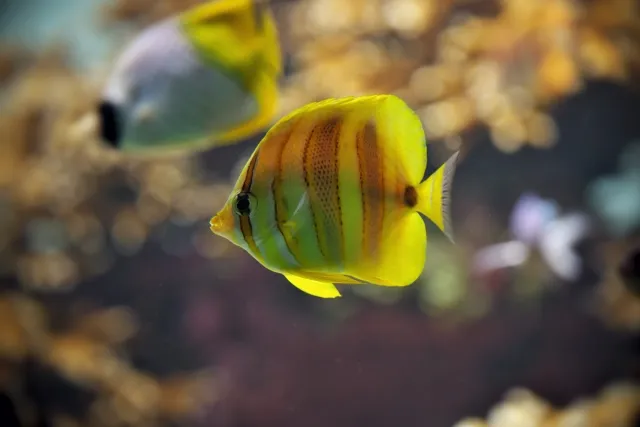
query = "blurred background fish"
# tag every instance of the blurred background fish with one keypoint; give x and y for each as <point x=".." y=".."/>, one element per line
<point x="204" y="77"/>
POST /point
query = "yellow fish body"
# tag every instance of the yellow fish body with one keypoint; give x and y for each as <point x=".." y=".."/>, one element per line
<point x="332" y="195"/>
<point x="202" y="78"/>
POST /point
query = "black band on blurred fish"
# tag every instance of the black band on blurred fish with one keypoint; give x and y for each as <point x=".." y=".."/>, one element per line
<point x="109" y="129"/>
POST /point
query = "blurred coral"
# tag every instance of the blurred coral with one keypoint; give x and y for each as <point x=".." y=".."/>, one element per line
<point x="12" y="59"/>
<point x="52" y="168"/>
<point x="144" y="12"/>
<point x="618" y="305"/>
<point x="459" y="69"/>
<point x="89" y="356"/>
<point x="22" y="325"/>
<point x="617" y="405"/>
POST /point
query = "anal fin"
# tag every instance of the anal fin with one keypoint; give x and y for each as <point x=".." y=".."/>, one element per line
<point x="316" y="288"/>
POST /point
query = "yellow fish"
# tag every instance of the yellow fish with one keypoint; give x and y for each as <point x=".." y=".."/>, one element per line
<point x="205" y="77"/>
<point x="332" y="195"/>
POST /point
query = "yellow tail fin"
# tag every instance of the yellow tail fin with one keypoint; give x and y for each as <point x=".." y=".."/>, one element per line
<point x="434" y="196"/>
<point x="242" y="38"/>
<point x="272" y="53"/>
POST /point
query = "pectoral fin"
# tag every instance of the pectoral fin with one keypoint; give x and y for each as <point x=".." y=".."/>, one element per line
<point x="314" y="287"/>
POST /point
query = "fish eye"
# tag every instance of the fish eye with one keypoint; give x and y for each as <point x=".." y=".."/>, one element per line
<point x="243" y="203"/>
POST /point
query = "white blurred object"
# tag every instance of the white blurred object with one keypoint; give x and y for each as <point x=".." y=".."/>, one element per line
<point x="557" y="244"/>
<point x="530" y="215"/>
<point x="537" y="224"/>
<point x="501" y="255"/>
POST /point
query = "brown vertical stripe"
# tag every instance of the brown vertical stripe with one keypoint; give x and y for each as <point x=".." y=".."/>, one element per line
<point x="326" y="185"/>
<point x="245" y="222"/>
<point x="361" y="171"/>
<point x="372" y="185"/>
<point x="323" y="178"/>
<point x="305" y="172"/>
<point x="279" y="198"/>
<point x="248" y="179"/>
<point x="338" y="201"/>
<point x="247" y="233"/>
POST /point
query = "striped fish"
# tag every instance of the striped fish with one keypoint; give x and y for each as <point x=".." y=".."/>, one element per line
<point x="332" y="195"/>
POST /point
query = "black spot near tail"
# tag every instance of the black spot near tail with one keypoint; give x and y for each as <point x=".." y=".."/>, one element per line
<point x="109" y="127"/>
<point x="410" y="196"/>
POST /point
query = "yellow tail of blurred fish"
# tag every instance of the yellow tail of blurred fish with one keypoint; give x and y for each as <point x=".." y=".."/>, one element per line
<point x="236" y="33"/>
<point x="241" y="36"/>
<point x="434" y="196"/>
<point x="265" y="84"/>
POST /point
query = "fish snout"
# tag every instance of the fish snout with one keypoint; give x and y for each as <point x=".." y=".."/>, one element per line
<point x="222" y="223"/>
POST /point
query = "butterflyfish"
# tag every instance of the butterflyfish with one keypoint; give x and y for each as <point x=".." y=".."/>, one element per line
<point x="333" y="195"/>
<point x="205" y="77"/>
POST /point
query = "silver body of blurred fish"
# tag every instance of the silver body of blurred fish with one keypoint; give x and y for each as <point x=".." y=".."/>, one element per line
<point x="162" y="93"/>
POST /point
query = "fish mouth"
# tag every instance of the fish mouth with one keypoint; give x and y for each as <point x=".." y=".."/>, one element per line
<point x="215" y="224"/>
<point x="222" y="223"/>
<point x="109" y="128"/>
